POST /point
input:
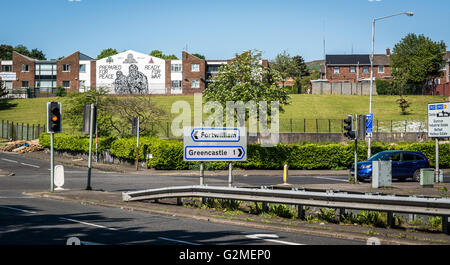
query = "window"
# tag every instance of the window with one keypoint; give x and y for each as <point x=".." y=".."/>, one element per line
<point x="195" y="84"/>
<point x="25" y="84"/>
<point x="66" y="67"/>
<point x="82" y="84"/>
<point x="381" y="69"/>
<point x="66" y="84"/>
<point x="25" y="68"/>
<point x="352" y="69"/>
<point x="213" y="68"/>
<point x="195" y="67"/>
<point x="395" y="157"/>
<point x="365" y="69"/>
<point x="336" y="69"/>
<point x="6" y="68"/>
<point x="8" y="84"/>
<point x="408" y="157"/>
<point x="176" y="83"/>
<point x="82" y="68"/>
<point x="175" y="68"/>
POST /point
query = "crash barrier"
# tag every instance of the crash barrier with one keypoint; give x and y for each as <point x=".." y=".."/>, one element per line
<point x="330" y="199"/>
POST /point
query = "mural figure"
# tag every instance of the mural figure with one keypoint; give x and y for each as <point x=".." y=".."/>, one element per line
<point x="130" y="59"/>
<point x="121" y="83"/>
<point x="135" y="83"/>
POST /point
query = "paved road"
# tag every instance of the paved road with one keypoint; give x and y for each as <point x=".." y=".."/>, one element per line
<point x="26" y="220"/>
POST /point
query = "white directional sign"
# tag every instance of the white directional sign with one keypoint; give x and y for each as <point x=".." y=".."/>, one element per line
<point x="439" y="120"/>
<point x="215" y="144"/>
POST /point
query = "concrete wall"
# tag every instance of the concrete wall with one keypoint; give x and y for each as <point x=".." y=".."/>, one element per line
<point x="343" y="88"/>
<point x="292" y="138"/>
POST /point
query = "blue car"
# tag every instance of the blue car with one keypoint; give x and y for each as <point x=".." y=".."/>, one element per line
<point x="405" y="164"/>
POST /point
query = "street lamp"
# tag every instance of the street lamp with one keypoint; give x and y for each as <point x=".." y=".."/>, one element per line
<point x="409" y="14"/>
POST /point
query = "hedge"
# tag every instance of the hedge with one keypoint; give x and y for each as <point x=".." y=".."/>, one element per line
<point x="168" y="154"/>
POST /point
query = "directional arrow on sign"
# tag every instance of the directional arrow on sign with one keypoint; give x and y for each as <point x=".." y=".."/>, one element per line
<point x="215" y="135"/>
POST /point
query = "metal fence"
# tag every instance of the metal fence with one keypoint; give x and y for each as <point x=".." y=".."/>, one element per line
<point x="20" y="131"/>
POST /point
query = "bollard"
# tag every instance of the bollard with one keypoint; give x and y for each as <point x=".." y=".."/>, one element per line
<point x="179" y="201"/>
<point x="445" y="226"/>
<point x="285" y="174"/>
<point x="265" y="207"/>
<point x="390" y="219"/>
<point x="301" y="212"/>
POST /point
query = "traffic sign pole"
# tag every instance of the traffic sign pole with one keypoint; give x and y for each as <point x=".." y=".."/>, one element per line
<point x="436" y="172"/>
<point x="91" y="127"/>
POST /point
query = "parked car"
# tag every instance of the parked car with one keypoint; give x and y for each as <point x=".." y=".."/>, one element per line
<point x="405" y="164"/>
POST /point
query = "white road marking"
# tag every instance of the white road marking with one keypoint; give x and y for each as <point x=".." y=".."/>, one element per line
<point x="25" y="164"/>
<point x="17" y="209"/>
<point x="263" y="237"/>
<point x="336" y="179"/>
<point x="86" y="223"/>
<point x="9" y="160"/>
<point x="88" y="243"/>
<point x="179" y="241"/>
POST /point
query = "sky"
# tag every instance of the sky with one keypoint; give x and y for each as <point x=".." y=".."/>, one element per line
<point x="219" y="29"/>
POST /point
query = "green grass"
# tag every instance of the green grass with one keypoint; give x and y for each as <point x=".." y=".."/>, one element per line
<point x="309" y="107"/>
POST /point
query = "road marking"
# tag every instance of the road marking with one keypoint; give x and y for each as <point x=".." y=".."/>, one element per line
<point x="25" y="164"/>
<point x="8" y="160"/>
<point x="179" y="241"/>
<point x="336" y="179"/>
<point x="17" y="209"/>
<point x="86" y="223"/>
<point x="88" y="243"/>
<point x="263" y="237"/>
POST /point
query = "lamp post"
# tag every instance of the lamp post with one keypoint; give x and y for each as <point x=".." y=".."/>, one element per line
<point x="410" y="14"/>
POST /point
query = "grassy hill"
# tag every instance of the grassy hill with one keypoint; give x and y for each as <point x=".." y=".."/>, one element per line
<point x="309" y="107"/>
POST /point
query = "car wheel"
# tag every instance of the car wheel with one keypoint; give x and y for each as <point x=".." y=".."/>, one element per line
<point x="416" y="175"/>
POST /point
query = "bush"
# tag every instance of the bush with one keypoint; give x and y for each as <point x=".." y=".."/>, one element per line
<point x="385" y="87"/>
<point x="168" y="154"/>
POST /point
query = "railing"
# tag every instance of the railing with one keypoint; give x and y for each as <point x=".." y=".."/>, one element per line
<point x="20" y="131"/>
<point x="329" y="199"/>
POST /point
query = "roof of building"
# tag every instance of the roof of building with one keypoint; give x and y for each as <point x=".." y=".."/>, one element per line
<point x="84" y="57"/>
<point x="347" y="59"/>
<point x="381" y="59"/>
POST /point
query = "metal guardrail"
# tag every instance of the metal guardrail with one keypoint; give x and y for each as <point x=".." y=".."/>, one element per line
<point x="329" y="199"/>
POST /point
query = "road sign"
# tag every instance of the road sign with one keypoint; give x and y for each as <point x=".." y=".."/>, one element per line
<point x="439" y="120"/>
<point x="369" y="122"/>
<point x="214" y="144"/>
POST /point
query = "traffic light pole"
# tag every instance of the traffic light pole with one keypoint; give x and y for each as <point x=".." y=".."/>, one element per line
<point x="91" y="127"/>
<point x="355" y="175"/>
<point x="52" y="172"/>
<point x="137" y="144"/>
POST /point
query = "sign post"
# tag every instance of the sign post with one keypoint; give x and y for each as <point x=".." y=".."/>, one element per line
<point x="369" y="130"/>
<point x="438" y="127"/>
<point x="215" y="144"/>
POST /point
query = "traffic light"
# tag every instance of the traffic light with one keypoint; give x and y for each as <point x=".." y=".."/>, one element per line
<point x="53" y="117"/>
<point x="348" y="126"/>
<point x="134" y="125"/>
<point x="362" y="127"/>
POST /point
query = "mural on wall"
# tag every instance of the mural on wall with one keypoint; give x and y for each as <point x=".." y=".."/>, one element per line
<point x="131" y="72"/>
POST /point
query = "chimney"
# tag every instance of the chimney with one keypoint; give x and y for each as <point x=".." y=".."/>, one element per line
<point x="388" y="51"/>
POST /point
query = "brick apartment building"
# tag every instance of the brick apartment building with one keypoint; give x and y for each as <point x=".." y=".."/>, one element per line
<point x="356" y="67"/>
<point x="44" y="76"/>
<point x="129" y="72"/>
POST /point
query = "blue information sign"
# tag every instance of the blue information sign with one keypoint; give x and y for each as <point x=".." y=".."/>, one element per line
<point x="369" y="122"/>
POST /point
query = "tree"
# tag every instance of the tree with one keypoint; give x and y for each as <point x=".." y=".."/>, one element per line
<point x="199" y="56"/>
<point x="106" y="53"/>
<point x="159" y="54"/>
<point x="299" y="67"/>
<point x="3" y="91"/>
<point x="284" y="64"/>
<point x="37" y="54"/>
<point x="6" y="52"/>
<point x="245" y="79"/>
<point x="415" y="60"/>
<point x="75" y="102"/>
<point x="126" y="108"/>
<point x="22" y="50"/>
<point x="403" y="104"/>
